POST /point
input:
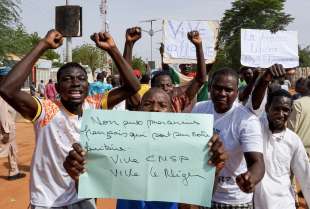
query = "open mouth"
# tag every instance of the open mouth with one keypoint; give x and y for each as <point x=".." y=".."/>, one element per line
<point x="76" y="93"/>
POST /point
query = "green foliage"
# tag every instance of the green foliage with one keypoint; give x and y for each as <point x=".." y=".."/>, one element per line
<point x="9" y="17"/>
<point x="304" y="56"/>
<point x="248" y="14"/>
<point x="19" y="42"/>
<point x="138" y="63"/>
<point x="9" y="13"/>
<point x="51" y="55"/>
<point x="89" y="55"/>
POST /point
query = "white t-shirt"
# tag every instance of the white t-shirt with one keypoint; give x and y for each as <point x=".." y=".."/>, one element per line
<point x="240" y="132"/>
<point x="120" y="106"/>
<point x="283" y="153"/>
<point x="56" y="130"/>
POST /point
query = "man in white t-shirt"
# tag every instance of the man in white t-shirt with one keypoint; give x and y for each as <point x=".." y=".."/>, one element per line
<point x="284" y="154"/>
<point x="241" y="134"/>
<point x="57" y="122"/>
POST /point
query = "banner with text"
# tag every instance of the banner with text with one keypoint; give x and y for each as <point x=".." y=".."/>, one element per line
<point x="179" y="50"/>
<point x="261" y="48"/>
<point x="147" y="156"/>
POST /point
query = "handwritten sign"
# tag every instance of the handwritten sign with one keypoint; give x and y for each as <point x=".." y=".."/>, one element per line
<point x="147" y="156"/>
<point x="179" y="50"/>
<point x="261" y="48"/>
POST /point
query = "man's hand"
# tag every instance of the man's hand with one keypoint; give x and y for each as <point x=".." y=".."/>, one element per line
<point x="5" y="138"/>
<point x="75" y="161"/>
<point x="133" y="34"/>
<point x="53" y="39"/>
<point x="275" y="71"/>
<point x="217" y="152"/>
<point x="246" y="182"/>
<point x="194" y="37"/>
<point x="103" y="41"/>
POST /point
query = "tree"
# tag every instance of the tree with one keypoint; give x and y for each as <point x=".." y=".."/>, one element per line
<point x="9" y="17"/>
<point x="138" y="63"/>
<point x="250" y="14"/>
<point x="304" y="56"/>
<point x="89" y="55"/>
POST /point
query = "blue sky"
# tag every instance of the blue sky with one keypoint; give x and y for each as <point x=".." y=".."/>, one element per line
<point x="39" y="16"/>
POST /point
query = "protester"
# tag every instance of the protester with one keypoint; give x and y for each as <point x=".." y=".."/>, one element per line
<point x="284" y="155"/>
<point x="132" y="36"/>
<point x="268" y="82"/>
<point x="41" y="89"/>
<point x="241" y="134"/>
<point x="8" y="147"/>
<point x="99" y="87"/>
<point x="299" y="120"/>
<point x="300" y="88"/>
<point x="154" y="100"/>
<point x="57" y="123"/>
<point x="249" y="75"/>
<point x="50" y="90"/>
<point x="182" y="96"/>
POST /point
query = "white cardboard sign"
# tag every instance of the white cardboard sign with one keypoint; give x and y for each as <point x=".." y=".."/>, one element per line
<point x="179" y="50"/>
<point x="261" y="48"/>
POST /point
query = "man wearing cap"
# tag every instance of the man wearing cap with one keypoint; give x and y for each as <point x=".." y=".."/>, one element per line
<point x="8" y="133"/>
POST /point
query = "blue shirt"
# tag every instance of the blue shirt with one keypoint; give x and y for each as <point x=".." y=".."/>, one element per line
<point x="99" y="87"/>
<point x="137" y="204"/>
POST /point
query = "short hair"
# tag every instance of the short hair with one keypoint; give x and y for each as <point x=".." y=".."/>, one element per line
<point x="68" y="66"/>
<point x="155" y="90"/>
<point x="243" y="68"/>
<point x="145" y="79"/>
<point x="227" y="72"/>
<point x="100" y="76"/>
<point x="278" y="93"/>
<point x="300" y="82"/>
<point x="158" y="74"/>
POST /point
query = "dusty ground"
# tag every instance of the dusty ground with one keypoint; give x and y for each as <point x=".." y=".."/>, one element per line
<point x="14" y="194"/>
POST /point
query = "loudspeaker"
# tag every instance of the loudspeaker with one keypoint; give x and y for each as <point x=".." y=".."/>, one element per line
<point x="69" y="20"/>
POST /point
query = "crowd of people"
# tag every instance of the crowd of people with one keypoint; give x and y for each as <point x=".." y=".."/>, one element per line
<point x="261" y="140"/>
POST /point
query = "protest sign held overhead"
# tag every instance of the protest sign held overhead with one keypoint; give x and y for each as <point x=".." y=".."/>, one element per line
<point x="147" y="156"/>
<point x="178" y="48"/>
<point x="261" y="48"/>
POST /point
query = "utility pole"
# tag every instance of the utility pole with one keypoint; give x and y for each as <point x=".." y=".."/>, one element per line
<point x="103" y="13"/>
<point x="68" y="44"/>
<point x="103" y="8"/>
<point x="151" y="33"/>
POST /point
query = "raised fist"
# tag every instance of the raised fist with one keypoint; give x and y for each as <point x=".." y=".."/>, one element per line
<point x="194" y="37"/>
<point x="133" y="34"/>
<point x="53" y="39"/>
<point x="103" y="40"/>
<point x="275" y="71"/>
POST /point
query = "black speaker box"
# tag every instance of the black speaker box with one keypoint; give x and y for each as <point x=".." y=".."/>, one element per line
<point x="69" y="20"/>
